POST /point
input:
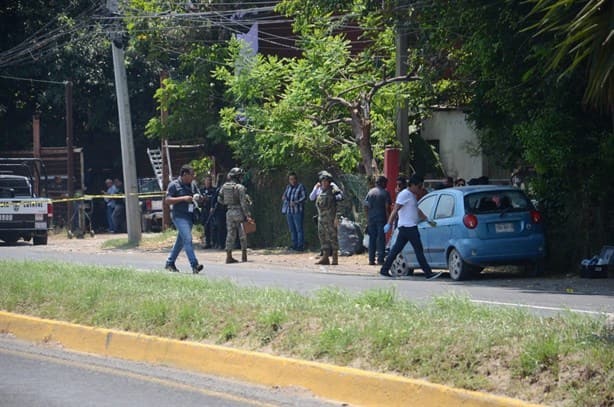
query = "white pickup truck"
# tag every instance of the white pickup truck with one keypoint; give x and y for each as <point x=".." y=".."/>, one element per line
<point x="23" y="215"/>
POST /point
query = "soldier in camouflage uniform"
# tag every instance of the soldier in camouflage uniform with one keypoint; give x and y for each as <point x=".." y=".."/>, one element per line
<point x="233" y="196"/>
<point x="326" y="203"/>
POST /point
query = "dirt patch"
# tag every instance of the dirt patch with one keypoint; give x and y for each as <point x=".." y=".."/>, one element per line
<point x="151" y="242"/>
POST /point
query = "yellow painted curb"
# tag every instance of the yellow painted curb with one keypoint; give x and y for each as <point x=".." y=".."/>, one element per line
<point x="349" y="385"/>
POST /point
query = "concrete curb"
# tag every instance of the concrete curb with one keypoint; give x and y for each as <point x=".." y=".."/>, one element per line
<point x="349" y="385"/>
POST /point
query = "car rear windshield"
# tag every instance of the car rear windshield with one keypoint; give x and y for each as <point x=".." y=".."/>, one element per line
<point x="497" y="201"/>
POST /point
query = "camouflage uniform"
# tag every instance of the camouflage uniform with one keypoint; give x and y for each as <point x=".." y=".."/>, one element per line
<point x="326" y="204"/>
<point x="233" y="196"/>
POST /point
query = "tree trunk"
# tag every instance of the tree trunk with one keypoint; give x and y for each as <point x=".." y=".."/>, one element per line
<point x="361" y="129"/>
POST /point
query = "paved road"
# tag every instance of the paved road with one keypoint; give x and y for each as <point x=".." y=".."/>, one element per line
<point x="35" y="375"/>
<point x="544" y="296"/>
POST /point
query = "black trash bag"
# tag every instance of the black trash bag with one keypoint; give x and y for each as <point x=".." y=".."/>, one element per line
<point x="350" y="237"/>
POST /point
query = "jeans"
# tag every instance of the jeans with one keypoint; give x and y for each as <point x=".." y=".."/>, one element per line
<point x="377" y="240"/>
<point x="408" y="234"/>
<point x="295" y="224"/>
<point x="183" y="241"/>
<point x="110" y="210"/>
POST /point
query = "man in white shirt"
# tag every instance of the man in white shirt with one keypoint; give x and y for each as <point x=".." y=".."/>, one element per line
<point x="409" y="215"/>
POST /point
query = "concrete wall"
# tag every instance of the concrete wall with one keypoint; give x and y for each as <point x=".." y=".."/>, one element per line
<point x="459" y="148"/>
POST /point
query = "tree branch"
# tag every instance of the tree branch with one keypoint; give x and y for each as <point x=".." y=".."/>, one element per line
<point x="378" y="85"/>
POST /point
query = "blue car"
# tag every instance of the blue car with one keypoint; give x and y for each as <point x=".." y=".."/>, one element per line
<point x="476" y="227"/>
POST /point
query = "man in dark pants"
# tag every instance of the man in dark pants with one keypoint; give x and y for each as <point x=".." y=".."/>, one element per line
<point x="406" y="207"/>
<point x="377" y="207"/>
<point x="180" y="195"/>
<point x="208" y="193"/>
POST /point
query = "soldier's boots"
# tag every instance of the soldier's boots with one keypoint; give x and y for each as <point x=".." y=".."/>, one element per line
<point x="335" y="258"/>
<point x="324" y="259"/>
<point x="229" y="258"/>
<point x="243" y="256"/>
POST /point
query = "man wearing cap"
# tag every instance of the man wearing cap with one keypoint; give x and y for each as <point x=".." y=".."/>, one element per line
<point x="377" y="207"/>
<point x="409" y="215"/>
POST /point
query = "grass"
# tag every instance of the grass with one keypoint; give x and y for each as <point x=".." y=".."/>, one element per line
<point x="563" y="360"/>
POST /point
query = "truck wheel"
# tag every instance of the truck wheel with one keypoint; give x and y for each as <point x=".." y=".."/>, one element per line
<point x="39" y="240"/>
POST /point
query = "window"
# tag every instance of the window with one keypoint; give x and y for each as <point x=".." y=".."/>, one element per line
<point x="497" y="201"/>
<point x="426" y="206"/>
<point x="445" y="207"/>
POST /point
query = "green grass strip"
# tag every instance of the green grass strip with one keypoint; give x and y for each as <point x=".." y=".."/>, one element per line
<point x="563" y="360"/>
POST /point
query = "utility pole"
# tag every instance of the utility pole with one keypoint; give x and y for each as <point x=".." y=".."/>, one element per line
<point x="133" y="221"/>
<point x="402" y="43"/>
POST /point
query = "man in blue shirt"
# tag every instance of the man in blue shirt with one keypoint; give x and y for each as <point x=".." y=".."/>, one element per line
<point x="377" y="207"/>
<point x="181" y="196"/>
<point x="294" y="208"/>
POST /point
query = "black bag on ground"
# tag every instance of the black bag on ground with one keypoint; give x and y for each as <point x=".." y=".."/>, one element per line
<point x="350" y="237"/>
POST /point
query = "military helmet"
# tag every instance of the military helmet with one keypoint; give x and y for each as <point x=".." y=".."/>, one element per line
<point x="325" y="175"/>
<point x="235" y="172"/>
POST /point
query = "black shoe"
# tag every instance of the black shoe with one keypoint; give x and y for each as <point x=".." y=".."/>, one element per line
<point x="371" y="263"/>
<point x="197" y="269"/>
<point x="384" y="273"/>
<point x="433" y="276"/>
<point x="172" y="268"/>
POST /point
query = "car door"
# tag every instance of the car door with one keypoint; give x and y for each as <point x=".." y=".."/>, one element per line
<point x="427" y="206"/>
<point x="437" y="238"/>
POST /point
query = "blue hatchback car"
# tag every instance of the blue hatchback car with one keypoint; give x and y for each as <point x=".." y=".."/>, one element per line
<point x="477" y="226"/>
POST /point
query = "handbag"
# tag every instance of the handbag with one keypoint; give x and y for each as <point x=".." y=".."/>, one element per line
<point x="248" y="227"/>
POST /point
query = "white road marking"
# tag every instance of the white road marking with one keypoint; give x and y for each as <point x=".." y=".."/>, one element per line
<point x="511" y="304"/>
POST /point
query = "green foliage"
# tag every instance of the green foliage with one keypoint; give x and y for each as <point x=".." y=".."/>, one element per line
<point x="529" y="114"/>
<point x="193" y="101"/>
<point x="539" y="357"/>
<point x="583" y="36"/>
<point x="333" y="104"/>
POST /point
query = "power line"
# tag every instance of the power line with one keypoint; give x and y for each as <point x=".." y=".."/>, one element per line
<point x="16" y="78"/>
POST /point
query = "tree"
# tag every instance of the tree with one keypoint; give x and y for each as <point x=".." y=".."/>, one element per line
<point x="527" y="114"/>
<point x="329" y="104"/>
<point x="584" y="37"/>
<point x="54" y="42"/>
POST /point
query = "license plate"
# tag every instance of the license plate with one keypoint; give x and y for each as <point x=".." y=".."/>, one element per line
<point x="504" y="227"/>
<point x="40" y="225"/>
<point x="6" y="217"/>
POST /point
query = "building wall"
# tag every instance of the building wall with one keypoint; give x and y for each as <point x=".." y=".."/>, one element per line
<point x="459" y="149"/>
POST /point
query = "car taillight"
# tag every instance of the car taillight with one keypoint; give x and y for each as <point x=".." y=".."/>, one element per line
<point x="536" y="217"/>
<point x="50" y="210"/>
<point x="470" y="221"/>
<point x="148" y="204"/>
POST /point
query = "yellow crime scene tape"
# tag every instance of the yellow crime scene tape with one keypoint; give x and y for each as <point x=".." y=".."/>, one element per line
<point x="113" y="196"/>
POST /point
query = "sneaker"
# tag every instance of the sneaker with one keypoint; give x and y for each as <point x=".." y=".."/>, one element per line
<point x="172" y="268"/>
<point x="433" y="276"/>
<point x="197" y="269"/>
<point x="384" y="273"/>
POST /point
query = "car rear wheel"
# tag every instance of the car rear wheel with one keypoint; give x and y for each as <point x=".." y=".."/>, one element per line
<point x="400" y="267"/>
<point x="458" y="268"/>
